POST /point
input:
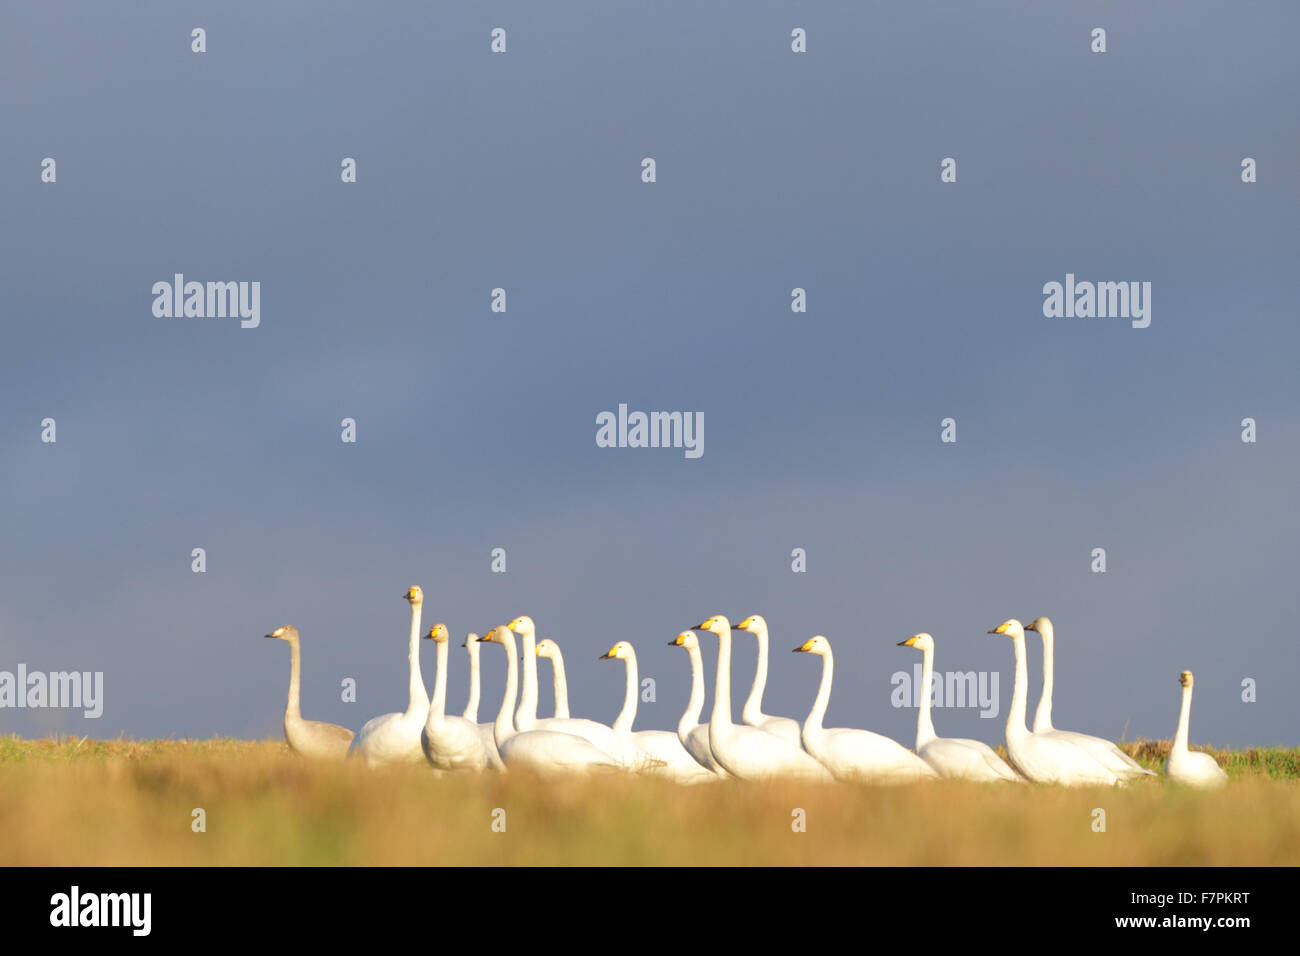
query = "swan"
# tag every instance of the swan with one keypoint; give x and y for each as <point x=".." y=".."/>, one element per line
<point x="486" y="730"/>
<point x="852" y="754"/>
<point x="744" y="751"/>
<point x="951" y="756"/>
<point x="694" y="735"/>
<point x="599" y="735"/>
<point x="544" y="752"/>
<point x="1103" y="750"/>
<point x="449" y="742"/>
<point x="752" y="712"/>
<point x="663" y="745"/>
<point x="1191" y="767"/>
<point x="549" y="650"/>
<point x="308" y="738"/>
<point x="1043" y="758"/>
<point x="395" y="738"/>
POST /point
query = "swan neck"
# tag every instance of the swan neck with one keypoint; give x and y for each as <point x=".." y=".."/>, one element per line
<point x="722" y="685"/>
<point x="1184" y="719"/>
<point x="438" y="706"/>
<point x="475" y="680"/>
<point x="419" y="699"/>
<point x="293" y="709"/>
<point x="818" y="712"/>
<point x="752" y="713"/>
<point x="627" y="716"/>
<point x="526" y="716"/>
<point x="691" y="717"/>
<point x="1016" y="715"/>
<point x="504" y="728"/>
<point x="924" y="723"/>
<point x="561" y="687"/>
<point x="1043" y="716"/>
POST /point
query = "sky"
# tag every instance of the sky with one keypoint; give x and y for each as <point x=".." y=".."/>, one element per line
<point x="476" y="429"/>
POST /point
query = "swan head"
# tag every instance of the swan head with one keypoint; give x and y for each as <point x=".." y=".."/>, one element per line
<point x="754" y="624"/>
<point x="717" y="624"/>
<point x="414" y="595"/>
<point x="814" y="645"/>
<point x="619" y="652"/>
<point x="922" y="642"/>
<point x="1043" y="625"/>
<point x="547" y="648"/>
<point x="496" y="635"/>
<point x="471" y="641"/>
<point x="1011" y="628"/>
<point x="286" y="633"/>
<point x="523" y="624"/>
<point x="686" y="639"/>
<point x="438" y="633"/>
<point x="1185" y="678"/>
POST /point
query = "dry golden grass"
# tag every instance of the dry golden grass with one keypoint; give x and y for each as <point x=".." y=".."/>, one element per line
<point x="73" y="802"/>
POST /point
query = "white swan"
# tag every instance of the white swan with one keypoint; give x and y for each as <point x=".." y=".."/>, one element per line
<point x="395" y="738"/>
<point x="308" y="738"/>
<point x="449" y="742"/>
<point x="951" y="756"/>
<point x="549" y="650"/>
<point x="486" y="731"/>
<point x="1191" y="767"/>
<point x="1103" y="750"/>
<point x="663" y="745"/>
<point x="744" y="751"/>
<point x="599" y="735"/>
<point x="1042" y="758"/>
<point x="543" y="752"/>
<point x="848" y="753"/>
<point x="752" y="712"/>
<point x="694" y="736"/>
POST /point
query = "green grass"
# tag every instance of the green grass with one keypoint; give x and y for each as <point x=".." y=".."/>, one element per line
<point x="76" y="801"/>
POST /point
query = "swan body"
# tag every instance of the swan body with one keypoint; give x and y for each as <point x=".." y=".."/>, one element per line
<point x="1190" y="767"/>
<point x="486" y="731"/>
<point x="543" y="752"/>
<point x="951" y="756"/>
<point x="449" y="742"/>
<point x="744" y="751"/>
<point x="549" y="650"/>
<point x="307" y="738"/>
<point x="395" y="738"/>
<point x="676" y="762"/>
<point x="852" y="754"/>
<point x="1043" y="758"/>
<point x="693" y="735"/>
<point x="752" y="713"/>
<point x="1101" y="749"/>
<point x="599" y="735"/>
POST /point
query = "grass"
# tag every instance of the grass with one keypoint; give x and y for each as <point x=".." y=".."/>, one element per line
<point x="83" y="802"/>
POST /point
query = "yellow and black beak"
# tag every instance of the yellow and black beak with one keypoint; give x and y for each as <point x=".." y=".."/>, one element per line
<point x="907" y="643"/>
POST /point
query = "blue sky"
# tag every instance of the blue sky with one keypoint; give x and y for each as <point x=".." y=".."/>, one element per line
<point x="476" y="430"/>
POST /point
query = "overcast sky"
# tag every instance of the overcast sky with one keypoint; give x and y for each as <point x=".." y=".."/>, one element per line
<point x="476" y="430"/>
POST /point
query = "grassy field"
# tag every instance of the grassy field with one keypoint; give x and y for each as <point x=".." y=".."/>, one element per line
<point x="88" y="802"/>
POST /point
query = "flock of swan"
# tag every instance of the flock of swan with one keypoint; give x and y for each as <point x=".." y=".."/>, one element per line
<point x="760" y="747"/>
